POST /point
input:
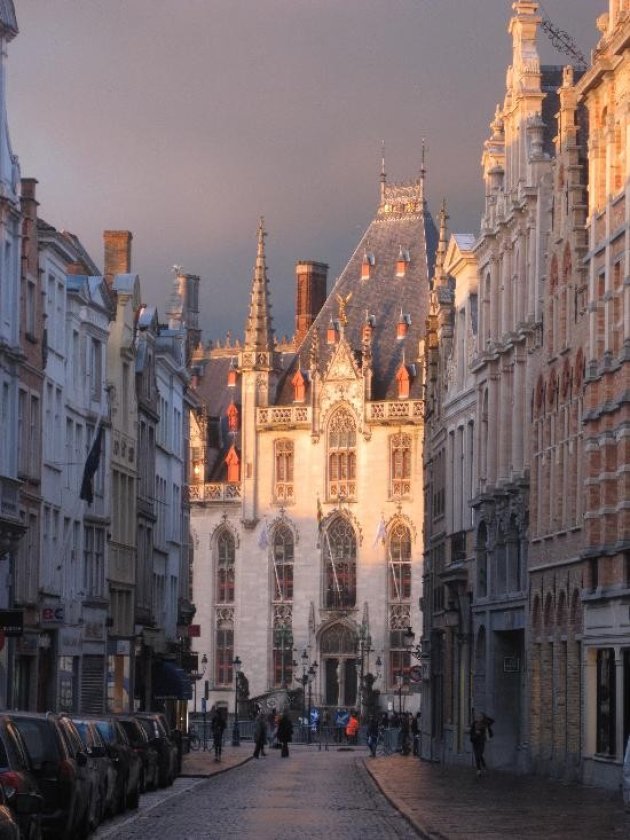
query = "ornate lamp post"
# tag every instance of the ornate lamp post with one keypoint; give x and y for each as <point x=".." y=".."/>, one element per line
<point x="306" y="679"/>
<point x="236" y="736"/>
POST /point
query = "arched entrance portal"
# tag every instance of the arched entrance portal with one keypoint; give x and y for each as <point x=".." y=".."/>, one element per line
<point x="338" y="650"/>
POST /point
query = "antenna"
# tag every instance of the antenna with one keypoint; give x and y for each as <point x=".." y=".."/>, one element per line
<point x="562" y="41"/>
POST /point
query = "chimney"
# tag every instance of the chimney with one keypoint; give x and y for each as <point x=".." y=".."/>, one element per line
<point x="117" y="253"/>
<point x="29" y="206"/>
<point x="311" y="280"/>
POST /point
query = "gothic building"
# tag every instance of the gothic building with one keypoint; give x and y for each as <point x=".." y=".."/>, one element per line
<point x="306" y="476"/>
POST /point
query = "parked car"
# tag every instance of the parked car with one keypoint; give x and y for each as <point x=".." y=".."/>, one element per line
<point x="155" y="726"/>
<point x="60" y="765"/>
<point x="23" y="805"/>
<point x="147" y="751"/>
<point x="97" y="752"/>
<point x="17" y="777"/>
<point x="127" y="762"/>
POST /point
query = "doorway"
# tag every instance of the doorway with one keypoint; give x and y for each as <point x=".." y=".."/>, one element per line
<point x="338" y="647"/>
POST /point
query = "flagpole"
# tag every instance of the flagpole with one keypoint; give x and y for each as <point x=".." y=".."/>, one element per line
<point x="332" y="563"/>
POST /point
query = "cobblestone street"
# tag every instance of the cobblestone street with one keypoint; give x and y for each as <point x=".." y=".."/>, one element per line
<point x="312" y="795"/>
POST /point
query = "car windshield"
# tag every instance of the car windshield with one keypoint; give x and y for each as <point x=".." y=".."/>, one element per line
<point x="107" y="731"/>
<point x="39" y="738"/>
<point x="132" y="731"/>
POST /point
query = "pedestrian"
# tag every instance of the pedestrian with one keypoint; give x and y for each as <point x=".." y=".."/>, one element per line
<point x="404" y="733"/>
<point x="217" y="726"/>
<point x="372" y="735"/>
<point x="285" y="734"/>
<point x="480" y="729"/>
<point x="415" y="732"/>
<point x="260" y="735"/>
<point x="352" y="728"/>
<point x="272" y="728"/>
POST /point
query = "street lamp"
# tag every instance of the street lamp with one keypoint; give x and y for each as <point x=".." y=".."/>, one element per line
<point x="236" y="736"/>
<point x="365" y="647"/>
<point x="407" y="640"/>
<point x="196" y="676"/>
<point x="306" y="679"/>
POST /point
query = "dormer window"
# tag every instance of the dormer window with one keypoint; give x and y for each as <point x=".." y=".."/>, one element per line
<point x="368" y="328"/>
<point x="402" y="262"/>
<point x="232" y="376"/>
<point x="402" y="327"/>
<point x="367" y="265"/>
<point x="233" y="463"/>
<point x="403" y="380"/>
<point x="232" y="417"/>
<point x="332" y="333"/>
<point x="299" y="386"/>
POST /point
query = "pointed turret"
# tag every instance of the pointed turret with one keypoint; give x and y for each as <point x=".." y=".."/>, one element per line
<point x="259" y="334"/>
<point x="440" y="277"/>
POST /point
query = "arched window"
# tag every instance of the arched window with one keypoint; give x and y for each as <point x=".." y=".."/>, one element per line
<point x="400" y="465"/>
<point x="340" y="558"/>
<point x="399" y="561"/>
<point x="282" y="647"/>
<point x="283" y="564"/>
<point x="283" y="464"/>
<point x="225" y="568"/>
<point x="342" y="459"/>
<point x="224" y="651"/>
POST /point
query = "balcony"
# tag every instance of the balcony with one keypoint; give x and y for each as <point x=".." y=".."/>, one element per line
<point x="215" y="492"/>
<point x="395" y="411"/>
<point x="283" y="417"/>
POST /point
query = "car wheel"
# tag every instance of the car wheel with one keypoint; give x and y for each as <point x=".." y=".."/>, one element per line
<point x="134" y="799"/>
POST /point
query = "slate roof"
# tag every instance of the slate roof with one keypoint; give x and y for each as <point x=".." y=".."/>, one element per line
<point x="384" y="296"/>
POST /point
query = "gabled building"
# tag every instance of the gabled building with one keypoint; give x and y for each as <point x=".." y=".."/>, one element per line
<point x="449" y="481"/>
<point x="306" y="476"/>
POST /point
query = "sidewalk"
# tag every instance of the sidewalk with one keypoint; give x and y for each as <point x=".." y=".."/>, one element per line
<point x="452" y="803"/>
<point x="200" y="764"/>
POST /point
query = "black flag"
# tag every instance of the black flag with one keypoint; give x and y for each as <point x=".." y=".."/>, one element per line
<point x="91" y="466"/>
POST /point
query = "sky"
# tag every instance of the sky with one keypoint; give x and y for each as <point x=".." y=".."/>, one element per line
<point x="184" y="121"/>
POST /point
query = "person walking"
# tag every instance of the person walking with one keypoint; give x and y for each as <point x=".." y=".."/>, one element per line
<point x="260" y="735"/>
<point x="415" y="733"/>
<point x="352" y="729"/>
<point x="372" y="735"/>
<point x="217" y="726"/>
<point x="480" y="729"/>
<point x="285" y="734"/>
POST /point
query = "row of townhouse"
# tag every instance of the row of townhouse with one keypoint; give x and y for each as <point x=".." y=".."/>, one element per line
<point x="94" y="401"/>
<point x="527" y="528"/>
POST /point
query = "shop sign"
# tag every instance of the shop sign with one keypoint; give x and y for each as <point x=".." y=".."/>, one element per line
<point x="70" y="641"/>
<point x="12" y="622"/>
<point x="54" y="614"/>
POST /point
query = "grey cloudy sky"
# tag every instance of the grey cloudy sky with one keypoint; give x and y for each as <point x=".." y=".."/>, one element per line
<point x="185" y="120"/>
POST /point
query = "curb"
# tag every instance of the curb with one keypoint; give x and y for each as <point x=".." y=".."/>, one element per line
<point x="403" y="810"/>
<point x="219" y="771"/>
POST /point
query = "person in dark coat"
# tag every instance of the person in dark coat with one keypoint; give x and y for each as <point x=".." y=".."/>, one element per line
<point x="260" y="735"/>
<point x="480" y="729"/>
<point x="285" y="734"/>
<point x="217" y="726"/>
<point x="372" y="735"/>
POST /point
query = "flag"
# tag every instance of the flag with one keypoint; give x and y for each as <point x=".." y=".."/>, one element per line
<point x="263" y="537"/>
<point x="91" y="466"/>
<point x="320" y="514"/>
<point x="381" y="533"/>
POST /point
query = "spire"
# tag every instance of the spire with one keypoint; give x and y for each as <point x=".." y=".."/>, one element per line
<point x="423" y="171"/>
<point x="383" y="173"/>
<point x="259" y="330"/>
<point x="440" y="279"/>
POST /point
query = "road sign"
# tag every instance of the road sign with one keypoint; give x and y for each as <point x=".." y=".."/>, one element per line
<point x="415" y="674"/>
<point x="12" y="622"/>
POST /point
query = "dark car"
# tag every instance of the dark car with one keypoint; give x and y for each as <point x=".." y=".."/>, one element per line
<point x="23" y="805"/>
<point x="127" y="762"/>
<point x="16" y="776"/>
<point x="159" y="734"/>
<point x="59" y="763"/>
<point x="147" y="751"/>
<point x="97" y="752"/>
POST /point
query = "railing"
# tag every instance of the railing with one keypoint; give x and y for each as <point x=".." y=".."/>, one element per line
<point x="215" y="492"/>
<point x="283" y="416"/>
<point x="402" y="410"/>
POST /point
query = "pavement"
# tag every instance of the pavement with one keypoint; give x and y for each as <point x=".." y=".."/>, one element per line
<point x="452" y="803"/>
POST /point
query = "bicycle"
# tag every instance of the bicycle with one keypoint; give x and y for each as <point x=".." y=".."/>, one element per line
<point x="193" y="740"/>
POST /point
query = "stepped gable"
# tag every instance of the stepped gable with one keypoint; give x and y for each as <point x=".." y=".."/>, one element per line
<point x="402" y="222"/>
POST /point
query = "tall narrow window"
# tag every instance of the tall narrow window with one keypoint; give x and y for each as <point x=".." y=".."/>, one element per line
<point x="342" y="438"/>
<point x="400" y="460"/>
<point x="224" y="653"/>
<point x="282" y="649"/>
<point x="399" y="558"/>
<point x="283" y="459"/>
<point x="606" y="702"/>
<point x="340" y="557"/>
<point x="399" y="659"/>
<point x="482" y="561"/>
<point x="283" y="564"/>
<point x="225" y="568"/>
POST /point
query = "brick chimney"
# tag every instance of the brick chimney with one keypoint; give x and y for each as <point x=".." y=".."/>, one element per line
<point x="29" y="204"/>
<point x="311" y="279"/>
<point x="117" y="253"/>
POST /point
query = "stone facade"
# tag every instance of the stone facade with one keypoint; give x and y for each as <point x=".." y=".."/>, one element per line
<point x="307" y="501"/>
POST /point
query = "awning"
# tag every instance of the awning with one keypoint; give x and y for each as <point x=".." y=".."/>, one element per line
<point x="170" y="682"/>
